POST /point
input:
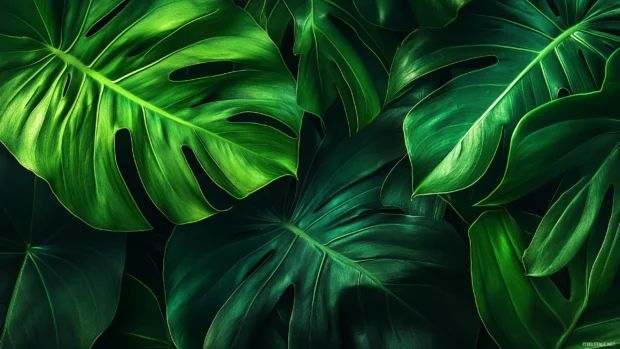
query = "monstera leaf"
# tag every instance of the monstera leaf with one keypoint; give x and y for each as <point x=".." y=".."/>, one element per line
<point x="579" y="133"/>
<point x="361" y="275"/>
<point x="403" y="15"/>
<point x="59" y="279"/>
<point x="272" y="15"/>
<point x="527" y="312"/>
<point x="396" y="192"/>
<point x="69" y="84"/>
<point x="453" y="135"/>
<point x="139" y="322"/>
<point x="331" y="64"/>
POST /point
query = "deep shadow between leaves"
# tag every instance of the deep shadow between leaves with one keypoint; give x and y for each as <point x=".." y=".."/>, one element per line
<point x="553" y="7"/>
<point x="218" y="197"/>
<point x="129" y="172"/>
<point x="393" y="324"/>
<point x="563" y="92"/>
<point x="286" y="49"/>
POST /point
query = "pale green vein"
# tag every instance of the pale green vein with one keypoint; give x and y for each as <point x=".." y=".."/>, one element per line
<point x="6" y="331"/>
<point x="74" y="62"/>
<point x="146" y="337"/>
<point x="346" y="261"/>
<point x="49" y="299"/>
<point x="543" y="54"/>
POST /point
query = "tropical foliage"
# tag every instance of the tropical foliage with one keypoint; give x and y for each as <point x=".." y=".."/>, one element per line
<point x="219" y="174"/>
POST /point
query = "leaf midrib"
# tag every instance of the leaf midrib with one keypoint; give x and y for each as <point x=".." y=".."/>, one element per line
<point x="537" y="60"/>
<point x="542" y="55"/>
<point x="346" y="261"/>
<point x="74" y="62"/>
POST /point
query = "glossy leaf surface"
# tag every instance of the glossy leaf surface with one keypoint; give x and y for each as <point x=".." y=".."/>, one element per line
<point x="453" y="135"/>
<point x="579" y="133"/>
<point x="530" y="312"/>
<point x="361" y="275"/>
<point x="69" y="85"/>
<point x="332" y="65"/>
<point x="59" y="279"/>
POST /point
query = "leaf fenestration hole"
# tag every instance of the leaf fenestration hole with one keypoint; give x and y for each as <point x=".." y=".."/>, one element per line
<point x="106" y="19"/>
<point x="286" y="47"/>
<point x="563" y="92"/>
<point x="217" y="196"/>
<point x="554" y="8"/>
<point x="263" y="120"/>
<point x="64" y="91"/>
<point x="201" y="70"/>
<point x="129" y="171"/>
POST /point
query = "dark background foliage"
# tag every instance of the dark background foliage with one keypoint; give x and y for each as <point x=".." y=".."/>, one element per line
<point x="143" y="303"/>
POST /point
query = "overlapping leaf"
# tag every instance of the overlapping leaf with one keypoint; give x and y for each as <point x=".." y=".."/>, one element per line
<point x="360" y="276"/>
<point x="452" y="136"/>
<point x="403" y="15"/>
<point x="332" y="63"/>
<point x="59" y="279"/>
<point x="580" y="133"/>
<point x="528" y="312"/>
<point x="139" y="322"/>
<point x="272" y="15"/>
<point x="68" y="86"/>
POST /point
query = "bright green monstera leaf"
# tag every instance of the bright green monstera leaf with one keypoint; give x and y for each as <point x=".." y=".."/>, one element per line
<point x="453" y="135"/>
<point x="580" y="133"/>
<point x="60" y="280"/>
<point x="68" y="85"/>
<point x="361" y="275"/>
<point x="530" y="312"/>
<point x="403" y="15"/>
<point x="332" y="63"/>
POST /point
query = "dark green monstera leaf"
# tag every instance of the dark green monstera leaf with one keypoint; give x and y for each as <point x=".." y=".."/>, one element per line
<point x="409" y="14"/>
<point x="272" y="15"/>
<point x="530" y="312"/>
<point x="396" y="192"/>
<point x="68" y="85"/>
<point x="361" y="275"/>
<point x="332" y="65"/>
<point x="579" y="133"/>
<point x="59" y="279"/>
<point x="139" y="321"/>
<point x="538" y="50"/>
